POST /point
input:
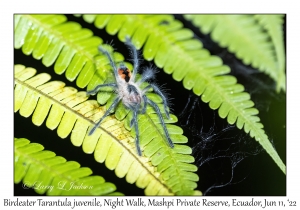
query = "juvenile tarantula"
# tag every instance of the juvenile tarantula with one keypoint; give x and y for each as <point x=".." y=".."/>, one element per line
<point x="129" y="92"/>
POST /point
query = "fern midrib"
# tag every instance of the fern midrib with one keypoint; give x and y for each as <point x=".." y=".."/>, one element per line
<point x="279" y="51"/>
<point x="278" y="48"/>
<point x="53" y="100"/>
<point x="259" y="132"/>
<point x="260" y="136"/>
<point x="92" y="122"/>
<point x="168" y="148"/>
<point x="250" y="44"/>
<point x="50" y="170"/>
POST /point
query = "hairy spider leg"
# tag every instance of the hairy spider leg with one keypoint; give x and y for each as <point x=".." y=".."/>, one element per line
<point x="148" y="74"/>
<point x="96" y="89"/>
<point x="115" y="102"/>
<point x="136" y="127"/>
<point x="134" y="121"/>
<point x="112" y="63"/>
<point x="130" y="89"/>
<point x="163" y="97"/>
<point x="151" y="103"/>
<point x="145" y="105"/>
<point x="134" y="57"/>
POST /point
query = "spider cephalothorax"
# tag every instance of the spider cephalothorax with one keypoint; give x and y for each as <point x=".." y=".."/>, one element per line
<point x="129" y="92"/>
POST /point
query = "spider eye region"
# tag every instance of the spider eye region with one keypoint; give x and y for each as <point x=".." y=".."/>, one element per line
<point x="124" y="73"/>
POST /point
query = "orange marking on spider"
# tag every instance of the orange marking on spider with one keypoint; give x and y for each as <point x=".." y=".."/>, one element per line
<point x="124" y="73"/>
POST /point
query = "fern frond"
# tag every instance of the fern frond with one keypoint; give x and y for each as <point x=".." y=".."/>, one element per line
<point x="273" y="25"/>
<point x="54" y="175"/>
<point x="174" y="50"/>
<point x="163" y="171"/>
<point x="73" y="49"/>
<point x="244" y="37"/>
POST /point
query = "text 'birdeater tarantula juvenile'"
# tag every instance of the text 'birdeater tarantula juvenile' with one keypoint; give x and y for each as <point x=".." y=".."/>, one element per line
<point x="129" y="92"/>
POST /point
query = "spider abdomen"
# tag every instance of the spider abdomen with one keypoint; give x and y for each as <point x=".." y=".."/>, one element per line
<point x="134" y="99"/>
<point x="131" y="95"/>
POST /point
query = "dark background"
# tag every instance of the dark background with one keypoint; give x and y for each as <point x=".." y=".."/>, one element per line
<point x="230" y="162"/>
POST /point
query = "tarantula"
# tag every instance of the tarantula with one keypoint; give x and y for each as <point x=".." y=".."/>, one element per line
<point x="129" y="92"/>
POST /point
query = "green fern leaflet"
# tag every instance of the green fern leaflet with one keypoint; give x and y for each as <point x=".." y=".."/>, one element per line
<point x="37" y="167"/>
